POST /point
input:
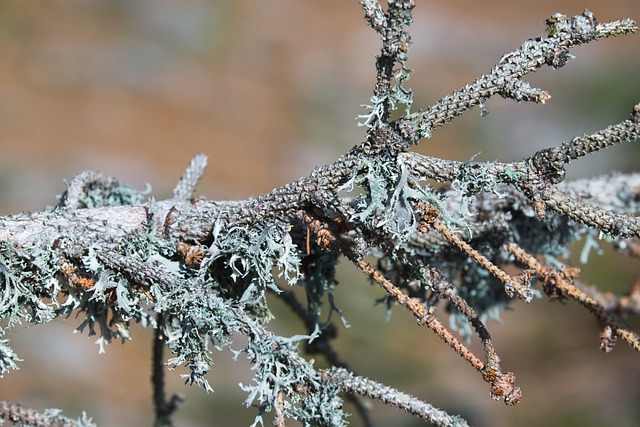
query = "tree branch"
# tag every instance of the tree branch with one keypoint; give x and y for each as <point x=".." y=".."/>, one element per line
<point x="203" y="267"/>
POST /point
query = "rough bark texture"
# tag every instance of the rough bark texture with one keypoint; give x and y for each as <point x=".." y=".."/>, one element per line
<point x="198" y="270"/>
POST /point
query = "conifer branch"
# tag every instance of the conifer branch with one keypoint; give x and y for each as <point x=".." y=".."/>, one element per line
<point x="198" y="271"/>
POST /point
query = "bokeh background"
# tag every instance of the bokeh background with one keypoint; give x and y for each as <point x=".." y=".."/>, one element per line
<point x="269" y="89"/>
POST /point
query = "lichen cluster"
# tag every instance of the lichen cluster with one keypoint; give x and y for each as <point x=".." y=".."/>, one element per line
<point x="199" y="271"/>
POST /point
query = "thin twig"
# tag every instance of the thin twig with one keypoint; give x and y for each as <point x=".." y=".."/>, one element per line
<point x="559" y="284"/>
<point x="624" y="305"/>
<point x="485" y="337"/>
<point x="23" y="416"/>
<point x="278" y="419"/>
<point x="511" y="285"/>
<point x="444" y="289"/>
<point x="162" y="418"/>
<point x="388" y="395"/>
<point x="186" y="187"/>
<point x="163" y="409"/>
<point x="501" y="383"/>
<point x="422" y="313"/>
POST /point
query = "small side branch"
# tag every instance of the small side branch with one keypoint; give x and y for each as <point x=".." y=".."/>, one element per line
<point x="558" y="284"/>
<point x="463" y="307"/>
<point x="391" y="71"/>
<point x="624" y="305"/>
<point x="554" y="159"/>
<point x="563" y="33"/>
<point x="27" y="417"/>
<point x="390" y="396"/>
<point x="163" y="409"/>
<point x="502" y="384"/>
<point x="186" y="187"/>
<point x="512" y="285"/>
<point x="593" y="216"/>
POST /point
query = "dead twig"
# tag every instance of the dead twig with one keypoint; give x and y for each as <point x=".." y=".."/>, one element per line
<point x="558" y="284"/>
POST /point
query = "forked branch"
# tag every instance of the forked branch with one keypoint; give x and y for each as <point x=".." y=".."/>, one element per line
<point x="198" y="271"/>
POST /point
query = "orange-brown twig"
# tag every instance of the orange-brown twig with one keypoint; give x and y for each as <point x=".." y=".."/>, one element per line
<point x="559" y="284"/>
<point x="278" y="420"/>
<point x="493" y="361"/>
<point x="501" y="383"/>
<point x="623" y="305"/>
<point x="512" y="285"/>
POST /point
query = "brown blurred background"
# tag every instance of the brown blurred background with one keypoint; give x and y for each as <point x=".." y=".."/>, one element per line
<point x="269" y="89"/>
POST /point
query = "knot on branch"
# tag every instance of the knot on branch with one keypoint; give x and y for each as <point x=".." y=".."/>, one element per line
<point x="608" y="339"/>
<point x="549" y="164"/>
<point x="551" y="279"/>
<point x="502" y="386"/>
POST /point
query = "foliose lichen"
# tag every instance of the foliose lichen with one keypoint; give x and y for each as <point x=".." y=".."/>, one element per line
<point x="389" y="195"/>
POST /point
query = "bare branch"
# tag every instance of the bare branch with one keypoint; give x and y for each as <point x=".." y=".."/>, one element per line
<point x="163" y="408"/>
<point x="23" y="416"/>
<point x="198" y="271"/>
<point x="511" y="285"/>
<point x="563" y="33"/>
<point x="559" y="284"/>
<point x="366" y="387"/>
<point x="187" y="185"/>
<point x="551" y="161"/>
<point x="624" y="305"/>
<point x="601" y="219"/>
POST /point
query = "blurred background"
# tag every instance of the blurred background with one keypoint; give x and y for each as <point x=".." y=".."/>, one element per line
<point x="268" y="90"/>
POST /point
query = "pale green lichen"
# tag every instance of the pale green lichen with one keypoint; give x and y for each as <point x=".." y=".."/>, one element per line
<point x="249" y="256"/>
<point x="29" y="293"/>
<point x="389" y="195"/>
